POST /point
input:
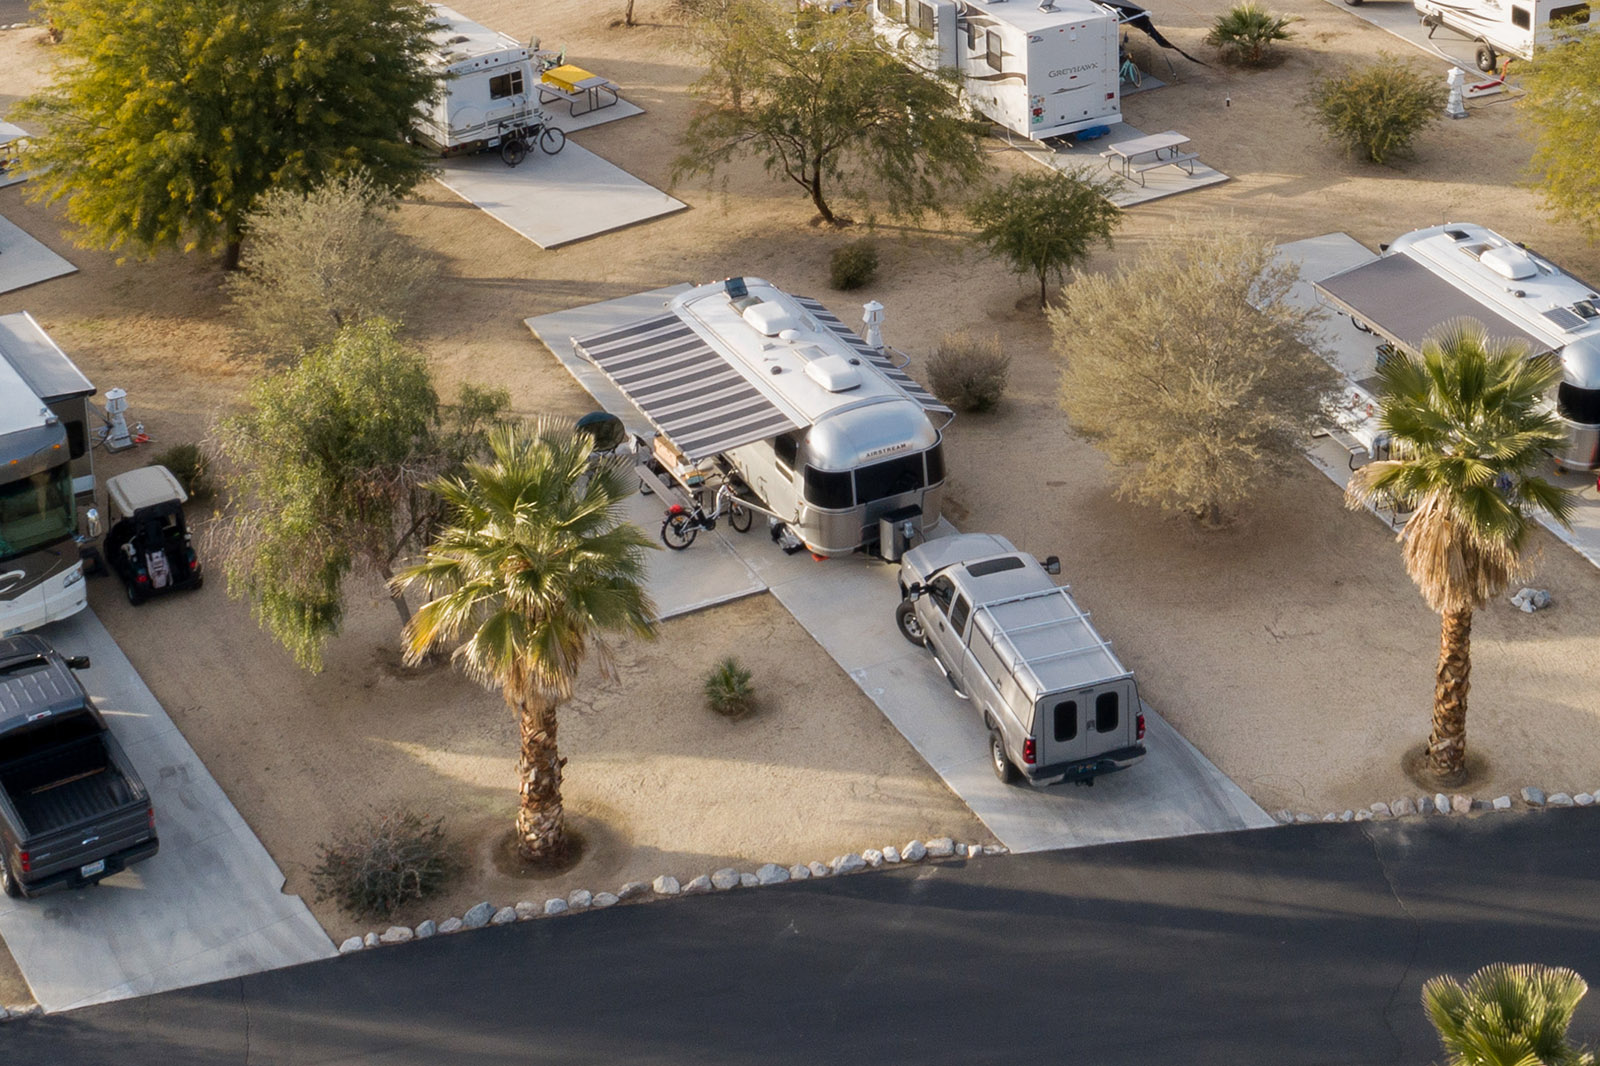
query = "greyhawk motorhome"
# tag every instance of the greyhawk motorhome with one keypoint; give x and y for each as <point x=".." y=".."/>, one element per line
<point x="1462" y="270"/>
<point x="823" y="432"/>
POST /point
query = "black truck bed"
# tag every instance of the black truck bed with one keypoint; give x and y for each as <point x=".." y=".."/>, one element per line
<point x="64" y="786"/>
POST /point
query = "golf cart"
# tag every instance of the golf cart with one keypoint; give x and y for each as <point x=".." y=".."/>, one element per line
<point x="148" y="545"/>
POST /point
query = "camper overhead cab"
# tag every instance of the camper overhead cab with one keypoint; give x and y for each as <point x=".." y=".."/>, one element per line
<point x="822" y="430"/>
<point x="1510" y="27"/>
<point x="489" y="87"/>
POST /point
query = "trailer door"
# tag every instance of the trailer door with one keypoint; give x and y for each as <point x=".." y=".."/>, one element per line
<point x="1061" y="726"/>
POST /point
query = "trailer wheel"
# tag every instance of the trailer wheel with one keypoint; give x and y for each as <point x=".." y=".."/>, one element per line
<point x="740" y="518"/>
<point x="1486" y="57"/>
<point x="677" y="533"/>
<point x="7" y="882"/>
<point x="1353" y="3"/>
<point x="513" y="151"/>
<point x="905" y="616"/>
<point x="999" y="761"/>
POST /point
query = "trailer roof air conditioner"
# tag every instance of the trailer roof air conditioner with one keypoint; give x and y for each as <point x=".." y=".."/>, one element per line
<point x="1512" y="263"/>
<point x="834" y="373"/>
<point x="770" y="318"/>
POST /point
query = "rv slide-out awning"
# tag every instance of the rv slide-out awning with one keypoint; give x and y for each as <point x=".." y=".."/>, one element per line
<point x="1404" y="301"/>
<point x="687" y="390"/>
<point x="877" y="358"/>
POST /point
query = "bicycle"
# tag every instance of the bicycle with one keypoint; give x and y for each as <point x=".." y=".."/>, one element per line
<point x="680" y="526"/>
<point x="1130" y="73"/>
<point x="514" y="142"/>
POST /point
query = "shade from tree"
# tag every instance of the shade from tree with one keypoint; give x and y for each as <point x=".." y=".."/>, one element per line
<point x="1045" y="224"/>
<point x="1562" y="105"/>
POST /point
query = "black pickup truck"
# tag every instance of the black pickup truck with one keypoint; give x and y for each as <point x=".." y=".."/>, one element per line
<point x="72" y="809"/>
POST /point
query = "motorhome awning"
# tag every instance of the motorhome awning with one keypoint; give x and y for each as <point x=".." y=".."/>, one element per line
<point x="687" y="390"/>
<point x="1404" y="301"/>
<point x="45" y="368"/>
<point x="877" y="358"/>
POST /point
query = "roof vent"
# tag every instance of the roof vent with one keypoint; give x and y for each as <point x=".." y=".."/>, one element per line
<point x="833" y="373"/>
<point x="458" y="39"/>
<point x="1511" y="263"/>
<point x="1458" y="234"/>
<point x="769" y="318"/>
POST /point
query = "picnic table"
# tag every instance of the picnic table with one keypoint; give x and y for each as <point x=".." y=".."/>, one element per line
<point x="13" y="139"/>
<point x="1141" y="154"/>
<point x="576" y="86"/>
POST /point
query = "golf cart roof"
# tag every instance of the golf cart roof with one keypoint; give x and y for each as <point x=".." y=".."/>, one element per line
<point x="145" y="487"/>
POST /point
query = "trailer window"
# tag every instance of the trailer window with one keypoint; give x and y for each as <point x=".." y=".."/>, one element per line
<point x="972" y="38"/>
<point x="891" y="478"/>
<point x="1572" y="14"/>
<point x="935" y="458"/>
<point x="1578" y="405"/>
<point x="828" y="489"/>
<point x="959" y="613"/>
<point x="925" y="17"/>
<point x="1105" y="712"/>
<point x="1066" y="724"/>
<point x="504" y="85"/>
<point x="992" y="55"/>
<point x="786" y="449"/>
<point x="1520" y="18"/>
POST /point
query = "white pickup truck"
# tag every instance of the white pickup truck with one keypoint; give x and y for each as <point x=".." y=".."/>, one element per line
<point x="1056" y="702"/>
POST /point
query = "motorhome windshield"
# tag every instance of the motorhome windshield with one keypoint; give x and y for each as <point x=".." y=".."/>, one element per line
<point x="36" y="512"/>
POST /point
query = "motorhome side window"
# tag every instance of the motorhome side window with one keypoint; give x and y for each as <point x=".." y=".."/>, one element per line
<point x="77" y="439"/>
<point x="972" y="37"/>
<point x="992" y="42"/>
<point x="1578" y="405"/>
<point x="1105" y="712"/>
<point x="1521" y="18"/>
<point x="504" y="85"/>
<point x="787" y="450"/>
<point x="925" y="17"/>
<point x="829" y="489"/>
<point x="891" y="478"/>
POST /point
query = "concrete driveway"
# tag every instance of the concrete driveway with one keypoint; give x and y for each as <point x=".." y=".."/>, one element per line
<point x="209" y="906"/>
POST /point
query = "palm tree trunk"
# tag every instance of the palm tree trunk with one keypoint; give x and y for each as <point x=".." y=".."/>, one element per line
<point x="1447" y="743"/>
<point x="541" y="821"/>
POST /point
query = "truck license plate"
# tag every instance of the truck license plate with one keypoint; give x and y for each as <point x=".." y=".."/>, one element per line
<point x="93" y="868"/>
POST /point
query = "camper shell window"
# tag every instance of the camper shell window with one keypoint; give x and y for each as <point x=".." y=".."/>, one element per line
<point x="1578" y="405"/>
<point x="1066" y="723"/>
<point x="891" y="478"/>
<point x="1572" y="14"/>
<point x="828" y="489"/>
<point x="504" y="85"/>
<point x="1105" y="712"/>
<point x="992" y="53"/>
<point x="1521" y="18"/>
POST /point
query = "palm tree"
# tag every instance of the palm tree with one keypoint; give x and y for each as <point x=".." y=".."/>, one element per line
<point x="534" y="569"/>
<point x="1469" y="423"/>
<point x="1508" y="1015"/>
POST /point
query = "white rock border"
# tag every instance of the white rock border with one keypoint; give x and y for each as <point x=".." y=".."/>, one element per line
<point x="1530" y="798"/>
<point x="667" y="886"/>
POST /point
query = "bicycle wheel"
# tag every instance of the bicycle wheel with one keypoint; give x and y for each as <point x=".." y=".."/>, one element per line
<point x="552" y="140"/>
<point x="739" y="517"/>
<point x="677" y="533"/>
<point x="513" y="151"/>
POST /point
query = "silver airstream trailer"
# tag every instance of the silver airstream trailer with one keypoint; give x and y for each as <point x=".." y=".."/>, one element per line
<point x="825" y="432"/>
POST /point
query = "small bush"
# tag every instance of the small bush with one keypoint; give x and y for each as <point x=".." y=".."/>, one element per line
<point x="395" y="857"/>
<point x="967" y="373"/>
<point x="1379" y="109"/>
<point x="1244" y="33"/>
<point x="853" y="265"/>
<point x="191" y="466"/>
<point x="728" y="690"/>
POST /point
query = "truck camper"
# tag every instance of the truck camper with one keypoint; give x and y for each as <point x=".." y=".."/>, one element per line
<point x="1461" y="270"/>
<point x="822" y="431"/>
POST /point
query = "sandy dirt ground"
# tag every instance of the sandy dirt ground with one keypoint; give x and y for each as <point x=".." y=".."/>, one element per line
<point x="1291" y="648"/>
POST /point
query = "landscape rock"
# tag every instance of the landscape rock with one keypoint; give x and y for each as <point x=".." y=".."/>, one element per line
<point x="818" y="869"/>
<point x="1559" y="799"/>
<point x="1502" y="803"/>
<point x="941" y="848"/>
<point x="1380" y="810"/>
<point x="974" y="850"/>
<point x="355" y="943"/>
<point x="666" y="885"/>
<point x="371" y="940"/>
<point x="1584" y="799"/>
<point x="504" y="916"/>
<point x="772" y="874"/>
<point x="478" y="916"/>
<point x="725" y="878"/>
<point x="996" y="849"/>
<point x="1460" y="804"/>
<point x="1347" y="816"/>
<point x="1364" y="815"/>
<point x="1283" y="817"/>
<point x="848" y="864"/>
<point x="1302" y="818"/>
<point x="1330" y="817"/>
<point x="451" y="925"/>
<point x="602" y="900"/>
<point x="426" y="928"/>
<point x="633" y="890"/>
<point x="1533" y="797"/>
<point x="748" y="881"/>
<point x="698" y="886"/>
<point x="397" y="934"/>
<point x="1441" y="803"/>
<point x="1530" y="600"/>
<point x="1402" y="807"/>
<point x="891" y="854"/>
<point x="1425" y="805"/>
<point x="915" y="851"/>
<point x="873" y="857"/>
<point x="555" y="905"/>
<point x="799" y="872"/>
<point x="579" y="899"/>
<point x="526" y="909"/>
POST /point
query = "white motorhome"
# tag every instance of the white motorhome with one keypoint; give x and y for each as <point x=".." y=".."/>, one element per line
<point x="826" y="430"/>
<point x="1513" y="27"/>
<point x="489" y="88"/>
<point x="1461" y="270"/>
<point x="46" y="462"/>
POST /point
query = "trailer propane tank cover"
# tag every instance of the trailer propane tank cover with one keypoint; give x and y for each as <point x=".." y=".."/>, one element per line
<point x="873" y="318"/>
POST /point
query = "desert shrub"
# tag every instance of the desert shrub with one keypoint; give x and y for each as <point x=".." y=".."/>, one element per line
<point x="191" y="466"/>
<point x="395" y="857"/>
<point x="728" y="689"/>
<point x="853" y="265"/>
<point x="969" y="373"/>
<point x="1378" y="109"/>
<point x="1244" y="33"/>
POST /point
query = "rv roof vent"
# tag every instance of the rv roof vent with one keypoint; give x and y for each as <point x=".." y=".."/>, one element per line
<point x="1458" y="234"/>
<point x="769" y="318"/>
<point x="1586" y="308"/>
<point x="833" y="373"/>
<point x="1512" y="263"/>
<point x="458" y="39"/>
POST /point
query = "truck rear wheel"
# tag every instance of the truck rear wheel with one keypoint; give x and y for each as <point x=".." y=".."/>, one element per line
<point x="905" y="616"/>
<point x="999" y="761"/>
<point x="8" y="883"/>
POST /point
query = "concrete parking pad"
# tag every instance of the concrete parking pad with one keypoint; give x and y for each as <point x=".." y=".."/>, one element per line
<point x="24" y="261"/>
<point x="556" y="199"/>
<point x="210" y="905"/>
<point x="562" y="118"/>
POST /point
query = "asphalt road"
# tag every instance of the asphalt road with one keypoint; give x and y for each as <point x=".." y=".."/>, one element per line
<point x="12" y="11"/>
<point x="1300" y="945"/>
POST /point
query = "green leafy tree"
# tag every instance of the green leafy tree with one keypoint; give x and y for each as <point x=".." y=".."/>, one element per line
<point x="328" y="462"/>
<point x="1044" y="224"/>
<point x="826" y="104"/>
<point x="1507" y="1015"/>
<point x="1379" y="109"/>
<point x="1562" y="105"/>
<point x="169" y="119"/>
<point x="534" y="569"/>
<point x="1192" y="372"/>
<point x="1244" y="33"/>
<point x="323" y="260"/>
<point x="1469" y="426"/>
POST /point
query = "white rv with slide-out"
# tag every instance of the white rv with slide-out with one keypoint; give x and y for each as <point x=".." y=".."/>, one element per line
<point x="1510" y="27"/>
<point x="488" y="94"/>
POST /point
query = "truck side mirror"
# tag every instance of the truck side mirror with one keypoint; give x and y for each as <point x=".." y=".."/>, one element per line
<point x="916" y="589"/>
<point x="1052" y="564"/>
<point x="92" y="515"/>
<point x="77" y="662"/>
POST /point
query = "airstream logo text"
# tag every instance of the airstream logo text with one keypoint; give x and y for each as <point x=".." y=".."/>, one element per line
<point x="886" y="450"/>
<point x="1073" y="70"/>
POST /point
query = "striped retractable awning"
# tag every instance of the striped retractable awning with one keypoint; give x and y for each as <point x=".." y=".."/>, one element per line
<point x="876" y="357"/>
<point x="687" y="390"/>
